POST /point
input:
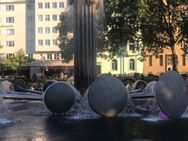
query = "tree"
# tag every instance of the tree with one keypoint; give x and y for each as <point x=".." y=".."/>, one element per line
<point x="65" y="38"/>
<point x="163" y="24"/>
<point x="17" y="61"/>
<point x="120" y="23"/>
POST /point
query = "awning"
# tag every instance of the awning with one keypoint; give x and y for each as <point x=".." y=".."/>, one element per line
<point x="50" y="63"/>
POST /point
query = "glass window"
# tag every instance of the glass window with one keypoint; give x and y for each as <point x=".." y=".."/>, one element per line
<point x="61" y="4"/>
<point x="47" y="5"/>
<point x="40" y="17"/>
<point x="40" y="30"/>
<point x="47" y="30"/>
<point x="30" y="18"/>
<point x="131" y="64"/>
<point x="54" y="17"/>
<point x="131" y="46"/>
<point x="169" y="60"/>
<point x="9" y="19"/>
<point x="9" y="7"/>
<point x="54" y="29"/>
<point x="161" y="60"/>
<point x="55" y="42"/>
<point x="49" y="56"/>
<point x="184" y="60"/>
<point x="56" y="56"/>
<point x="47" y="42"/>
<point x="40" y="42"/>
<point x="54" y="5"/>
<point x="114" y="64"/>
<point x="9" y="31"/>
<point x="30" y="56"/>
<point x="10" y="43"/>
<point x="40" y="5"/>
<point x="10" y="55"/>
<point x="47" y="17"/>
<point x="30" y="6"/>
<point x="150" y="60"/>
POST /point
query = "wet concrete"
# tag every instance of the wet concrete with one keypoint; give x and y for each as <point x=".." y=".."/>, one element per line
<point x="31" y="122"/>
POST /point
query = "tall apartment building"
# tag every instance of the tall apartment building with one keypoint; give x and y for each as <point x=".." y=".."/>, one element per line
<point x="30" y="25"/>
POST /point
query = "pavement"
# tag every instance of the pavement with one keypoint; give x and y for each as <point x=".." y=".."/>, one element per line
<point x="23" y="120"/>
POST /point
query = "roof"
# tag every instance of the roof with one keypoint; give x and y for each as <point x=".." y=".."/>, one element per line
<point x="49" y="63"/>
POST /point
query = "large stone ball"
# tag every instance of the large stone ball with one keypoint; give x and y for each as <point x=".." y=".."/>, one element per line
<point x="107" y="96"/>
<point x="59" y="97"/>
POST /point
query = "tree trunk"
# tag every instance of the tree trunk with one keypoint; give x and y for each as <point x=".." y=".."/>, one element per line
<point x="174" y="58"/>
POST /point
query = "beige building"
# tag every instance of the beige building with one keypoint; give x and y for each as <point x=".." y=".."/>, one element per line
<point x="12" y="26"/>
<point x="127" y="62"/>
<point x="30" y="25"/>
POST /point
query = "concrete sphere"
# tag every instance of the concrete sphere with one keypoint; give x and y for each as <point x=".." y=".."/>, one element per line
<point x="59" y="97"/>
<point x="107" y="96"/>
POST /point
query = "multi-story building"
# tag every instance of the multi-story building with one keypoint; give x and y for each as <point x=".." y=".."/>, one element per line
<point x="12" y="27"/>
<point x="30" y="25"/>
<point x="163" y="62"/>
<point x="127" y="62"/>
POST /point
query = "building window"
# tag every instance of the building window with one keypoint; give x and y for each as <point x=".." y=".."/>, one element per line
<point x="56" y="56"/>
<point x="132" y="46"/>
<point x="40" y="42"/>
<point x="30" y="56"/>
<point x="169" y="60"/>
<point x="55" y="42"/>
<point x="54" y="30"/>
<point x="9" y="31"/>
<point x="47" y="5"/>
<point x="47" y="42"/>
<point x="54" y="17"/>
<point x="40" y="30"/>
<point x="30" y="18"/>
<point x="161" y="60"/>
<point x="10" y="43"/>
<point x="49" y="56"/>
<point x="54" y="5"/>
<point x="150" y="60"/>
<point x="40" y="5"/>
<point x="9" y="19"/>
<point x="131" y="64"/>
<point x="40" y="17"/>
<point x="8" y="56"/>
<point x="30" y="6"/>
<point x="184" y="60"/>
<point x="47" y="17"/>
<point x="61" y="4"/>
<point x="114" y="64"/>
<point x="47" y="30"/>
<point x="9" y="7"/>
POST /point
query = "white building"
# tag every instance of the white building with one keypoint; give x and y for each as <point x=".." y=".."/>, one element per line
<point x="30" y="25"/>
<point x="127" y="62"/>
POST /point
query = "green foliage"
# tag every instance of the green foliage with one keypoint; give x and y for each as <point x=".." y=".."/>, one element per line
<point x="17" y="61"/>
<point x="120" y="23"/>
<point x="65" y="38"/>
<point x="163" y="25"/>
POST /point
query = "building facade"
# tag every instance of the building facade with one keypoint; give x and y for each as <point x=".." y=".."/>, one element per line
<point x="127" y="62"/>
<point x="30" y="25"/>
<point x="163" y="62"/>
